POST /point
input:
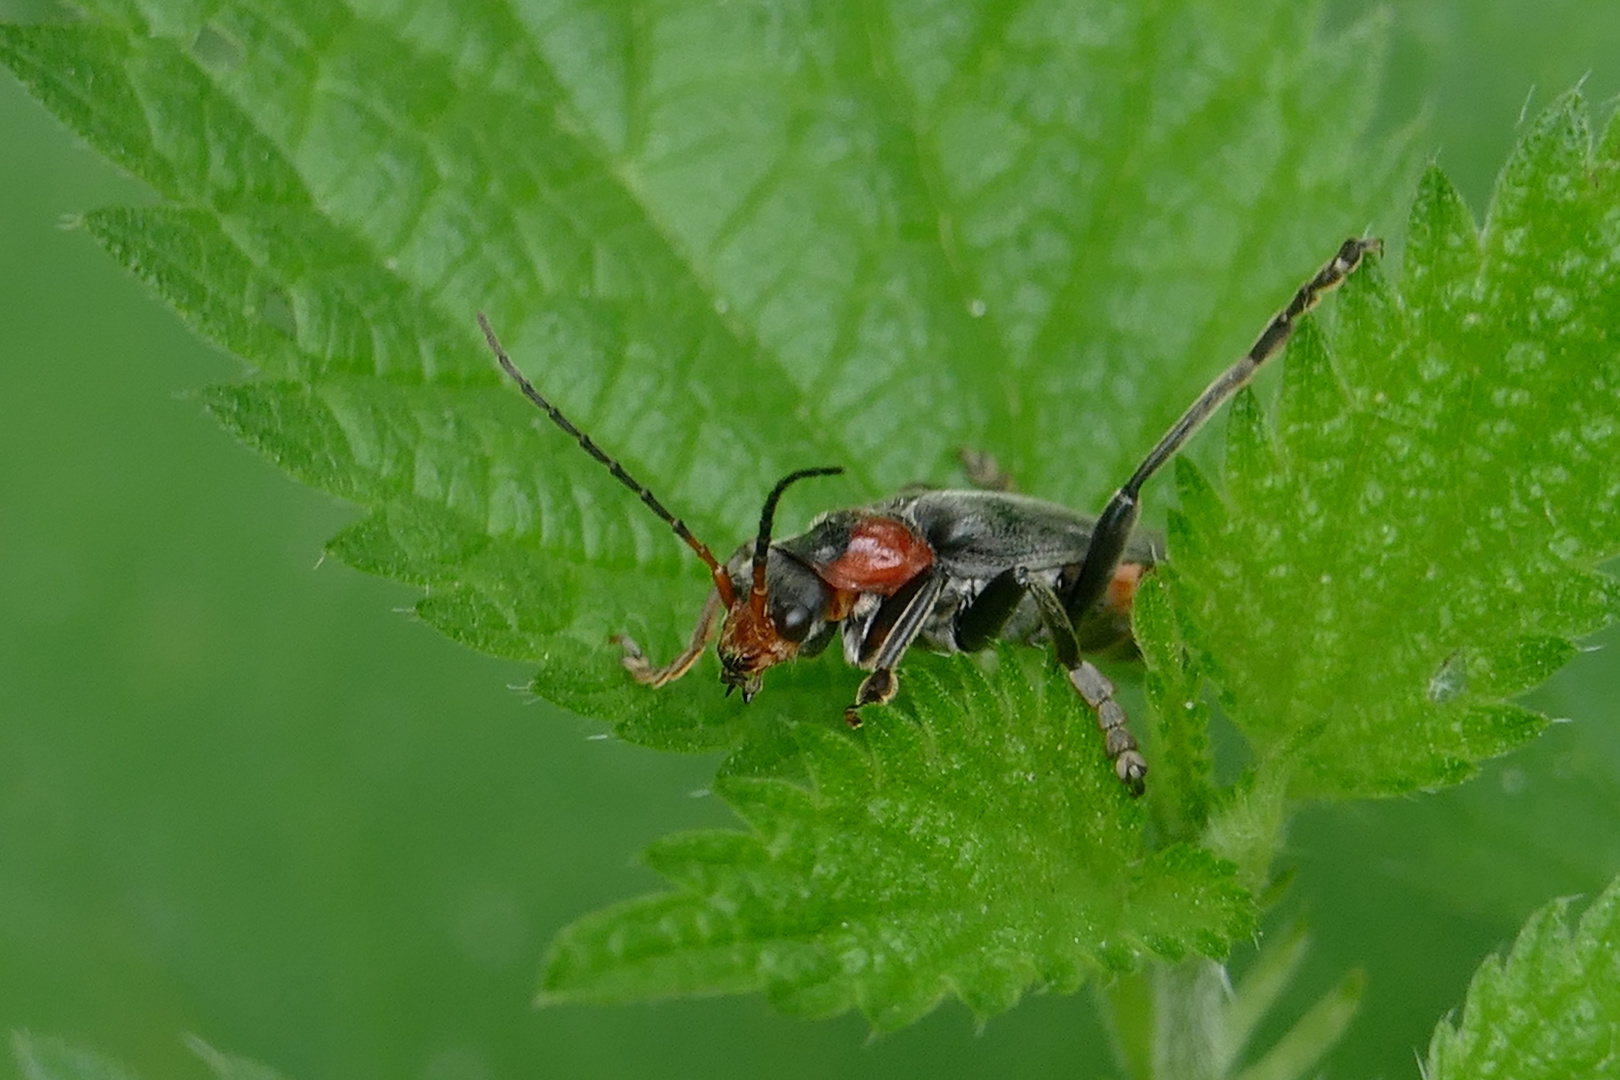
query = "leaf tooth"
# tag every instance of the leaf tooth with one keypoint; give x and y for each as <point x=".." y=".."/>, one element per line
<point x="1609" y="145"/>
<point x="80" y="74"/>
<point x="183" y="256"/>
<point x="840" y="768"/>
<point x="1547" y="1007"/>
<point x="1200" y="504"/>
<point x="1547" y="169"/>
<point x="1443" y="254"/>
<point x="1251" y="456"/>
<point x="698" y="860"/>
<point x="1312" y="398"/>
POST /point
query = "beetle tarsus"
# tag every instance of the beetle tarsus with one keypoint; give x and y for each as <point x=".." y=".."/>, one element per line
<point x="636" y="663"/>
<point x="877" y="688"/>
<point x="1097" y="692"/>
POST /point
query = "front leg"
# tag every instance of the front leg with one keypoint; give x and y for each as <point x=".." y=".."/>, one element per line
<point x="893" y="630"/>
<point x="637" y="664"/>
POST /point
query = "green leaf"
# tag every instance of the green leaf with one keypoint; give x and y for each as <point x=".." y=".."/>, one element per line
<point x="1551" y="1008"/>
<point x="973" y="845"/>
<point x="1181" y="760"/>
<point x="1412" y="538"/>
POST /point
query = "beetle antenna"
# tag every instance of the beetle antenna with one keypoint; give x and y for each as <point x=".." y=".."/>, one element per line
<point x="767" y="518"/>
<point x="722" y="581"/>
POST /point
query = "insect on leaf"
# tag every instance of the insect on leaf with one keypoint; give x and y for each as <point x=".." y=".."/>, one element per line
<point x="731" y="241"/>
<point x="728" y="242"/>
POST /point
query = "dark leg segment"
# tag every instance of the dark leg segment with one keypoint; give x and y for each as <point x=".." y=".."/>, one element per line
<point x="1114" y="527"/>
<point x="980" y="623"/>
<point x="892" y="632"/>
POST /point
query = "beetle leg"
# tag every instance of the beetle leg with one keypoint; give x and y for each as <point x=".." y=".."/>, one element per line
<point x="984" y="471"/>
<point x="892" y="632"/>
<point x="1092" y="686"/>
<point x="1113" y="530"/>
<point x="637" y="664"/>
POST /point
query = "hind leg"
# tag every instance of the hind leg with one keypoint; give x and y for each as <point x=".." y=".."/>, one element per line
<point x="981" y="622"/>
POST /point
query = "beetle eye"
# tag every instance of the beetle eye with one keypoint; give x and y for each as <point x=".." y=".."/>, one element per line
<point x="793" y="622"/>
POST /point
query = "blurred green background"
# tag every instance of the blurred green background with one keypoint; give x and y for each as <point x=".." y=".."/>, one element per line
<point x="240" y="796"/>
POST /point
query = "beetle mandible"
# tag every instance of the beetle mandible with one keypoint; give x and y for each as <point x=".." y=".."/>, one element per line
<point x="954" y="570"/>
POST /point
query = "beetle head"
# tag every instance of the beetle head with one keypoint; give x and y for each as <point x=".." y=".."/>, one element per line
<point x="777" y="603"/>
<point x="794" y="619"/>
